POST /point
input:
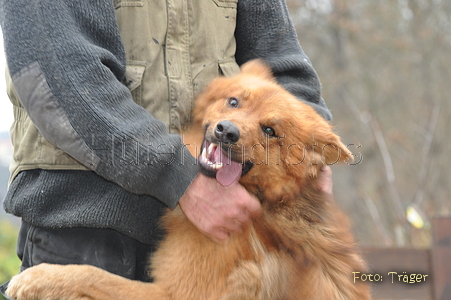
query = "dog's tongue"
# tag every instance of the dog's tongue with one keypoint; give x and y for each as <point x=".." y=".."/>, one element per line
<point x="230" y="171"/>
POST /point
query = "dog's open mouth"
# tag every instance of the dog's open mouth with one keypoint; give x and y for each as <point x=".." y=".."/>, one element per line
<point x="215" y="162"/>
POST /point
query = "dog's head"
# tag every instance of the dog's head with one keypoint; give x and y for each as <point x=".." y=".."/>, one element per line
<point x="257" y="132"/>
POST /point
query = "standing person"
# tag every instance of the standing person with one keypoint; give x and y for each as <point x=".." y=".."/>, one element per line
<point x="101" y="91"/>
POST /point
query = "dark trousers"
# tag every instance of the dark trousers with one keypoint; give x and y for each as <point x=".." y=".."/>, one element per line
<point x="103" y="248"/>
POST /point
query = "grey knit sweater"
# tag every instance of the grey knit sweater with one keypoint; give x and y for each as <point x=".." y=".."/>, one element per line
<point x="75" y="48"/>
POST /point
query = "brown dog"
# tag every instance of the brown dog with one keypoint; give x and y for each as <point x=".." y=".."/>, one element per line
<point x="300" y="247"/>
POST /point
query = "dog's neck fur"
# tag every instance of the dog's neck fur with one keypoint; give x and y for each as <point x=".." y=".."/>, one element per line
<point x="307" y="225"/>
<point x="307" y="208"/>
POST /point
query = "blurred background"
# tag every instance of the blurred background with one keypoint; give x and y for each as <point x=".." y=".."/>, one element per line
<point x="385" y="67"/>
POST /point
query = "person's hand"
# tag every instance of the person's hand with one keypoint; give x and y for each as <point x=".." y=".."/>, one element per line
<point x="325" y="183"/>
<point x="216" y="210"/>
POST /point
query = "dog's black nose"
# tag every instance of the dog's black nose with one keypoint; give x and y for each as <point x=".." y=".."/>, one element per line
<point x="227" y="132"/>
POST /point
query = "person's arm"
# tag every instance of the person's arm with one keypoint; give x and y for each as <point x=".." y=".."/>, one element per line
<point x="67" y="61"/>
<point x="265" y="30"/>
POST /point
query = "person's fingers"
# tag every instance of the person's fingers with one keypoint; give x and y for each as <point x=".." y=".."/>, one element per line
<point x="232" y="225"/>
<point x="219" y="235"/>
<point x="325" y="182"/>
<point x="242" y="216"/>
<point x="247" y="202"/>
<point x="218" y="211"/>
<point x="254" y="206"/>
<point x="236" y="212"/>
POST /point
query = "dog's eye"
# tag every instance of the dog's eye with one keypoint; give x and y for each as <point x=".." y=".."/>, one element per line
<point x="232" y="102"/>
<point x="269" y="131"/>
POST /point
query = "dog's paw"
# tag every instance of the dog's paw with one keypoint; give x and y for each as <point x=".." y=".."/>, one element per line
<point x="49" y="282"/>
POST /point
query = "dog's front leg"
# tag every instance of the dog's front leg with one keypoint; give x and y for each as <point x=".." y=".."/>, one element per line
<point x="78" y="282"/>
<point x="263" y="280"/>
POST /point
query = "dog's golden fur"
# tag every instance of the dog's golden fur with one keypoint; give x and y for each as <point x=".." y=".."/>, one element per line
<point x="300" y="247"/>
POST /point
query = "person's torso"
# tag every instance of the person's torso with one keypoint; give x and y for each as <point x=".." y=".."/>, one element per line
<point x="174" y="48"/>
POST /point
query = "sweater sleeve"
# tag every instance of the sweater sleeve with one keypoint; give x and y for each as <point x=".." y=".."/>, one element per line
<point x="265" y="30"/>
<point x="67" y="63"/>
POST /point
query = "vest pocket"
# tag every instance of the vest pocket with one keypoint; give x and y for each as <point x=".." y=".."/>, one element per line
<point x="229" y="67"/>
<point x="226" y="3"/>
<point x="225" y="67"/>
<point x="123" y="3"/>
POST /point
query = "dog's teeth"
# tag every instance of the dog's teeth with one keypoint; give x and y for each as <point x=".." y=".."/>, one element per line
<point x="217" y="166"/>
<point x="210" y="148"/>
<point x="204" y="154"/>
<point x="207" y="153"/>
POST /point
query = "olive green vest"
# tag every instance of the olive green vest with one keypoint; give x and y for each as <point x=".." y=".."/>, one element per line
<point x="174" y="49"/>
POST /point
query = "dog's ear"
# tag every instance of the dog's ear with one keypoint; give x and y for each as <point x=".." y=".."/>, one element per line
<point x="259" y="68"/>
<point x="328" y="150"/>
<point x="332" y="149"/>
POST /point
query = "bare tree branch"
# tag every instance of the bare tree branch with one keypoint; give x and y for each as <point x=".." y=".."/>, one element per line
<point x="429" y="136"/>
<point x="374" y="212"/>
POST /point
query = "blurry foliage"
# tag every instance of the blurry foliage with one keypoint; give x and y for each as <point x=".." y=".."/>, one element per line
<point x="9" y="263"/>
<point x="386" y="75"/>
